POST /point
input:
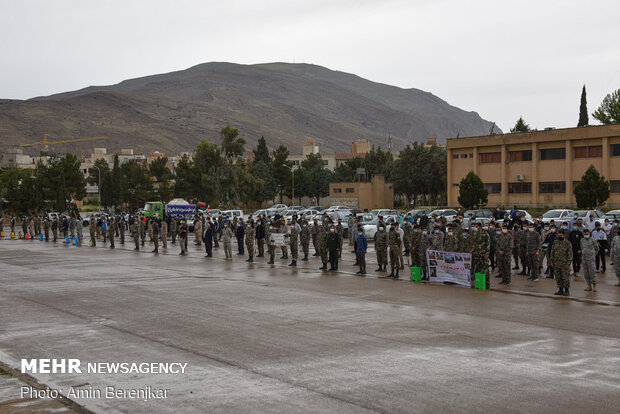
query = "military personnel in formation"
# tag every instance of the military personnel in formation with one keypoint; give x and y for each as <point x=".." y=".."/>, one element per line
<point x="523" y="249"/>
<point x="92" y="230"/>
<point x="516" y="233"/>
<point x="340" y="231"/>
<point x="505" y="244"/>
<point x="322" y="243"/>
<point x="198" y="230"/>
<point x="533" y="246"/>
<point x="183" y="236"/>
<point x="271" y="244"/>
<point x="480" y="252"/>
<point x="450" y="243"/>
<point x="37" y="224"/>
<point x="305" y="240"/>
<point x="142" y="229"/>
<point x="259" y="230"/>
<point x="293" y="240"/>
<point x="614" y="252"/>
<point x="174" y="228"/>
<point x="589" y="249"/>
<point x="164" y="233"/>
<point x="438" y="239"/>
<point x="46" y="228"/>
<point x="426" y="241"/>
<point x="155" y="230"/>
<point x="134" y="230"/>
<point x="227" y="235"/>
<point x="79" y="229"/>
<point x="407" y="235"/>
<point x="333" y="247"/>
<point x="465" y="242"/>
<point x="395" y="250"/>
<point x="121" y="229"/>
<point x="314" y="233"/>
<point x="414" y="251"/>
<point x="250" y="235"/>
<point x="543" y="249"/>
<point x="55" y="228"/>
<point x="381" y="248"/>
<point x="561" y="258"/>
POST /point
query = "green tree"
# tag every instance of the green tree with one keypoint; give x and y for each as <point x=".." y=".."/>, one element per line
<point x="409" y="172"/>
<point x="266" y="184"/>
<point x="187" y="179"/>
<point x="116" y="184"/>
<point x="261" y="153"/>
<point x="609" y="111"/>
<point x="472" y="193"/>
<point x="232" y="145"/>
<point x="138" y="185"/>
<point x="583" y="109"/>
<point x="158" y="168"/>
<point x="592" y="191"/>
<point x="343" y="173"/>
<point x="378" y="162"/>
<point x="521" y="126"/>
<point x="320" y="176"/>
<point x="282" y="174"/>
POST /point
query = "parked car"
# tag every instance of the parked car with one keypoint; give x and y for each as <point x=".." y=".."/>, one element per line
<point x="308" y="213"/>
<point x="612" y="215"/>
<point x="559" y="215"/>
<point x="258" y="213"/>
<point x="276" y="208"/>
<point x="384" y="212"/>
<point x="371" y="228"/>
<point x="233" y="213"/>
<point x="585" y="215"/>
<point x="416" y="214"/>
<point x="448" y="213"/>
<point x="528" y="217"/>
<point x="479" y="216"/>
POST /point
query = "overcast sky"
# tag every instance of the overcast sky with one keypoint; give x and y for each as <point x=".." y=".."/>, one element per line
<point x="502" y="59"/>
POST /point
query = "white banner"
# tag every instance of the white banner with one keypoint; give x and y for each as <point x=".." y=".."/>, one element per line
<point x="450" y="267"/>
<point x="279" y="239"/>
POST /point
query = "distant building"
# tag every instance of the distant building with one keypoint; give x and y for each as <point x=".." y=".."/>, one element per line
<point x="365" y="196"/>
<point x="537" y="169"/>
<point x="15" y="158"/>
<point x="311" y="148"/>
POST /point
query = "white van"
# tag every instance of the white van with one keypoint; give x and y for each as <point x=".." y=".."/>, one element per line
<point x="233" y="213"/>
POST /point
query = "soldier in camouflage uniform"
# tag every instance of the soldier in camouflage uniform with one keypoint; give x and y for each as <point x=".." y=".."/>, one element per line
<point x="141" y="229"/>
<point x="340" y="231"/>
<point x="407" y="233"/>
<point x="543" y="251"/>
<point x="516" y="234"/>
<point x="314" y="233"/>
<point x="450" y="243"/>
<point x="480" y="253"/>
<point x="438" y="239"/>
<point x="561" y="257"/>
<point x="505" y="244"/>
<point x="174" y="225"/>
<point x="395" y="249"/>
<point x="381" y="248"/>
<point x="293" y="240"/>
<point x="322" y="246"/>
<point x="533" y="246"/>
<point x="415" y="246"/>
<point x="92" y="229"/>
<point x="249" y="240"/>
<point x="523" y="250"/>
<point x="614" y="252"/>
<point x="135" y="231"/>
<point x="304" y="237"/>
<point x="426" y="240"/>
<point x="271" y="247"/>
<point x="589" y="249"/>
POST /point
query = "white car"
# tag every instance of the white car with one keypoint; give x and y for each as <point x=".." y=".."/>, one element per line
<point x="528" y="217"/>
<point x="384" y="212"/>
<point x="308" y="213"/>
<point x="233" y="213"/>
<point x="560" y="216"/>
<point x="276" y="208"/>
<point x="448" y="213"/>
<point x="258" y="213"/>
<point x="370" y="229"/>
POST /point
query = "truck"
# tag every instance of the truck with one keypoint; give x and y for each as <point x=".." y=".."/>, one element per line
<point x="176" y="207"/>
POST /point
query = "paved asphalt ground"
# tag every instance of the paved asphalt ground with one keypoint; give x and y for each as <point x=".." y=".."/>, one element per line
<point x="260" y="338"/>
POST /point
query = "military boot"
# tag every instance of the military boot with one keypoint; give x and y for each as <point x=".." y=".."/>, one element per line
<point x="270" y="261"/>
<point x="594" y="287"/>
<point x="391" y="274"/>
<point x="155" y="250"/>
<point x="293" y="263"/>
<point x="251" y="259"/>
<point x="560" y="292"/>
<point x="136" y="249"/>
<point x="589" y="288"/>
<point x="305" y="259"/>
<point x="396" y="275"/>
<point x="379" y="269"/>
<point x="566" y="292"/>
<point x="324" y="267"/>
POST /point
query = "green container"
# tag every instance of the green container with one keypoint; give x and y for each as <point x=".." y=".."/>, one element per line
<point x="416" y="273"/>
<point x="480" y="281"/>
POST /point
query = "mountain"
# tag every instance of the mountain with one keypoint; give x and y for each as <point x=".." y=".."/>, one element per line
<point x="286" y="103"/>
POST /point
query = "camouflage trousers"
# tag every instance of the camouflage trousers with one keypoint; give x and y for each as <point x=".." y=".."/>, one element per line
<point x="515" y="255"/>
<point x="323" y="253"/>
<point x="294" y="249"/>
<point x="504" y="263"/>
<point x="523" y="256"/>
<point x="382" y="257"/>
<point x="561" y="274"/>
<point x="250" y="248"/>
<point x="415" y="257"/>
<point x="305" y="247"/>
<point x="589" y="271"/>
<point x="394" y="258"/>
<point x="272" y="252"/>
<point x="532" y="263"/>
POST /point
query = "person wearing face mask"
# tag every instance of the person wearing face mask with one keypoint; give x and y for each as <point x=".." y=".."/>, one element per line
<point x="561" y="258"/>
<point x="614" y="252"/>
<point x="573" y="221"/>
<point x="340" y="231"/>
<point x="362" y="245"/>
<point x="534" y="244"/>
<point x="599" y="235"/>
<point x="293" y="240"/>
<point x="182" y="237"/>
<point x="589" y="249"/>
<point x="416" y="236"/>
<point x="549" y="240"/>
<point x="480" y="253"/>
<point x="492" y="240"/>
<point x="438" y="239"/>
<point x="381" y="248"/>
<point x="322" y="240"/>
<point x="407" y="236"/>
<point x="260" y="237"/>
<point x="505" y="243"/>
<point x="304" y="238"/>
<point x="333" y="247"/>
<point x="523" y="233"/>
<point x="516" y="232"/>
<point x="250" y="235"/>
<point x="574" y="237"/>
<point x="450" y="243"/>
<point x="426" y="240"/>
<point x="227" y="235"/>
<point x="395" y="248"/>
<point x="543" y="248"/>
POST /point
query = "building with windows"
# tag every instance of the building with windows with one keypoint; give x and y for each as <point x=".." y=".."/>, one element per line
<point x="537" y="169"/>
<point x="362" y="195"/>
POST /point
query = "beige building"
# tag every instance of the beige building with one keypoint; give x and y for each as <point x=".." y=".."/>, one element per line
<point x="537" y="169"/>
<point x="365" y="196"/>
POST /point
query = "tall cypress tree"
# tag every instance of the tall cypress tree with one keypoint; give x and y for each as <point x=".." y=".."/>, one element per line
<point x="583" y="109"/>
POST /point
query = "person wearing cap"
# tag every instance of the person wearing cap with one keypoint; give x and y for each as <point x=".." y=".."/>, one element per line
<point x="340" y="231"/>
<point x="395" y="247"/>
<point x="304" y="238"/>
<point x="426" y="241"/>
<point x="505" y="243"/>
<point x="293" y="240"/>
<point x="183" y="233"/>
<point x="250" y="235"/>
<point x="533" y="245"/>
<point x="381" y="248"/>
<point x="362" y="246"/>
<point x="561" y="258"/>
<point x="314" y="233"/>
<point x="588" y="249"/>
<point x="227" y="235"/>
<point x="333" y="247"/>
<point x="92" y="229"/>
<point x="133" y="230"/>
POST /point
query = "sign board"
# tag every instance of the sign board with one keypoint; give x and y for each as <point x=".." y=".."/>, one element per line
<point x="453" y="267"/>
<point x="180" y="210"/>
<point x="279" y="239"/>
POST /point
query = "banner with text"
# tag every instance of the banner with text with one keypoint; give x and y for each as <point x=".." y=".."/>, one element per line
<point x="450" y="267"/>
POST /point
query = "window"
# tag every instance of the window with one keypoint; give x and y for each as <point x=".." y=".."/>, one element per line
<point x="455" y="156"/>
<point x="463" y="155"/>
<point x="471" y="155"/>
<point x="593" y="151"/>
<point x="337" y="190"/>
<point x="614" y="186"/>
<point x="350" y="190"/>
<point x="553" y="154"/>
<point x="515" y="156"/>
<point x="552" y="187"/>
<point x="490" y="157"/>
<point x="493" y="188"/>
<point x="615" y="150"/>
<point x="519" y="188"/>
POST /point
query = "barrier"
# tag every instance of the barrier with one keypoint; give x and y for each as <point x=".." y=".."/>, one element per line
<point x="12" y="235"/>
<point x="480" y="281"/>
<point x="75" y="241"/>
<point x="67" y="240"/>
<point x="27" y="236"/>
<point x="416" y="274"/>
<point x="41" y="237"/>
<point x="2" y="235"/>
